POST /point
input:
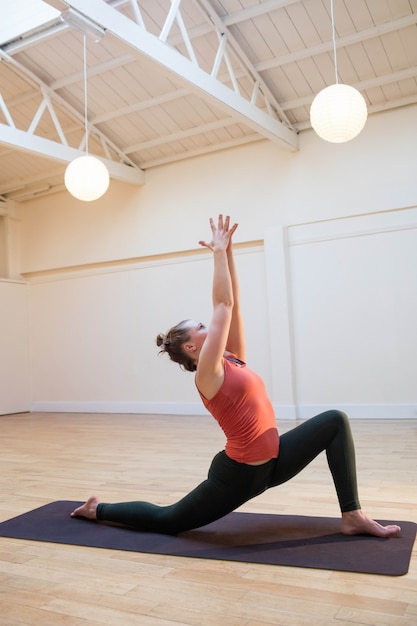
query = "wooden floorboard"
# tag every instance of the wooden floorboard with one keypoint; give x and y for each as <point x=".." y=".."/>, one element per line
<point x="47" y="456"/>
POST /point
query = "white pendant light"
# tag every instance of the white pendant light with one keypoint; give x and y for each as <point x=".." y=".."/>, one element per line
<point x="338" y="113"/>
<point x="86" y="178"/>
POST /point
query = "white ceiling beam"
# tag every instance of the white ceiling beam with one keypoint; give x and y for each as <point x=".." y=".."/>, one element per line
<point x="135" y="36"/>
<point x="183" y="134"/>
<point x="65" y="154"/>
<point x="95" y="70"/>
<point x="246" y="64"/>
<point x="140" y="106"/>
<point x="256" y="11"/>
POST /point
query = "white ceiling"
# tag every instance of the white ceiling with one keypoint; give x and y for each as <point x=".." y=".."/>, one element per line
<point x="172" y="80"/>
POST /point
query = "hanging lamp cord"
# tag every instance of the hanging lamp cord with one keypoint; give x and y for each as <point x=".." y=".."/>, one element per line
<point x="85" y="92"/>
<point x="334" y="42"/>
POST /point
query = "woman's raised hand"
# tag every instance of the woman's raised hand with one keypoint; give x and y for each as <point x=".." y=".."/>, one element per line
<point x="221" y="234"/>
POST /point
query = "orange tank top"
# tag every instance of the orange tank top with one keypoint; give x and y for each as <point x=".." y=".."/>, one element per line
<point x="245" y="414"/>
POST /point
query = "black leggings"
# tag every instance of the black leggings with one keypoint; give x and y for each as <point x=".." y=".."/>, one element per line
<point x="229" y="484"/>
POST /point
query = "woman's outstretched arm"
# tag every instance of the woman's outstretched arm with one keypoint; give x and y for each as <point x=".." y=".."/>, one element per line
<point x="236" y="342"/>
<point x="210" y="370"/>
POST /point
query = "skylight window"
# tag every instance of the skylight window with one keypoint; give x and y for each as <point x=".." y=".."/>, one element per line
<point x="21" y="17"/>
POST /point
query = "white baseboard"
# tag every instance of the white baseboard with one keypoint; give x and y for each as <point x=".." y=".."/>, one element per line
<point x="283" y="412"/>
<point x="152" y="408"/>
<point x="362" y="411"/>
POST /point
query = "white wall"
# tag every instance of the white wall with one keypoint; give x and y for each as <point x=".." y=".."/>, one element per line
<point x="105" y="277"/>
<point x="93" y="333"/>
<point x="3" y="249"/>
<point x="354" y="307"/>
<point x="15" y="393"/>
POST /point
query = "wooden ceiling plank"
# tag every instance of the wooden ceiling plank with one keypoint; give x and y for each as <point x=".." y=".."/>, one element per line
<point x="340" y="42"/>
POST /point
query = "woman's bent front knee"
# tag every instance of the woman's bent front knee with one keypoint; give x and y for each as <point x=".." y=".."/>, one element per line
<point x="339" y="418"/>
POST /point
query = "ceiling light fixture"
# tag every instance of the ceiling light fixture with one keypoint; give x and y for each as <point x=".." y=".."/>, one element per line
<point x="86" y="178"/>
<point x="82" y="24"/>
<point x="338" y="113"/>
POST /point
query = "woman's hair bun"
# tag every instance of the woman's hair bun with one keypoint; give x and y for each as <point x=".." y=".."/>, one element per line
<point x="160" y="339"/>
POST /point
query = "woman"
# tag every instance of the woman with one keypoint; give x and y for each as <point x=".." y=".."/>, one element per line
<point x="255" y="458"/>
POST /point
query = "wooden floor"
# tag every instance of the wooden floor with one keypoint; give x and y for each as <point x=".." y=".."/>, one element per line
<point x="47" y="457"/>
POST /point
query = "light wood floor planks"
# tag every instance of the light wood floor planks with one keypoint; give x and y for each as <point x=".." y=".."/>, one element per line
<point x="47" y="457"/>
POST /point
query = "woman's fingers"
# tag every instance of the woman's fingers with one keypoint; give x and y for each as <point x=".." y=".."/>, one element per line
<point x="223" y="223"/>
<point x="221" y="232"/>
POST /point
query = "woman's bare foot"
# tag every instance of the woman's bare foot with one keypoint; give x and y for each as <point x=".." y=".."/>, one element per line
<point x="357" y="523"/>
<point x="88" y="509"/>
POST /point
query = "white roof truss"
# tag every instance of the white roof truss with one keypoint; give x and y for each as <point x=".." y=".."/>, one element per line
<point x="118" y="164"/>
<point x="175" y="79"/>
<point x="269" y="120"/>
<point x="221" y="25"/>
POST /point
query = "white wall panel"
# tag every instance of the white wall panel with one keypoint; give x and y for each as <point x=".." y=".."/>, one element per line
<point x="354" y="303"/>
<point x="15" y="389"/>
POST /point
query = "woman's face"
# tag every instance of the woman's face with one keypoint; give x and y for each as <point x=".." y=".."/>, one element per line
<point x="198" y="333"/>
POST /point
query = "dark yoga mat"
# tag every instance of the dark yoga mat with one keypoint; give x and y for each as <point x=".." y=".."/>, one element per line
<point x="292" y="540"/>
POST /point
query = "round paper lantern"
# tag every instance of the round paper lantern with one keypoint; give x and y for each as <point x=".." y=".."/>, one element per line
<point x="87" y="178"/>
<point x="338" y="113"/>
